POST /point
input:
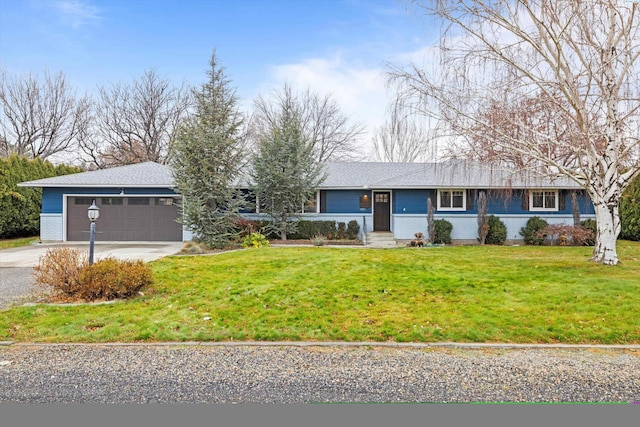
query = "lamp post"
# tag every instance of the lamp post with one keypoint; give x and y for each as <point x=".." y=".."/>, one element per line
<point x="93" y="212"/>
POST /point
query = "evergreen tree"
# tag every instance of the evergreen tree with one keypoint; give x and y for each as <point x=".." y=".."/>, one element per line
<point x="630" y="211"/>
<point x="20" y="206"/>
<point x="208" y="157"/>
<point x="285" y="172"/>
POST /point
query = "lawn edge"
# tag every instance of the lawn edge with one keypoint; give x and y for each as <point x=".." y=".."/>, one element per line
<point x="331" y="344"/>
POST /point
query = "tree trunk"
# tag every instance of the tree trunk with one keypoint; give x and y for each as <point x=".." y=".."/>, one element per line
<point x="608" y="223"/>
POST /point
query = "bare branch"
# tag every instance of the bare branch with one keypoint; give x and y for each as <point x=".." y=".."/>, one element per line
<point x="41" y="118"/>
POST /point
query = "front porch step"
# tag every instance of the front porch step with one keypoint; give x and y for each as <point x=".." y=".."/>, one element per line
<point x="381" y="239"/>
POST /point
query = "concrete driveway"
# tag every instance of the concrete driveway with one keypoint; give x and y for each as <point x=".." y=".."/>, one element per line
<point x="28" y="256"/>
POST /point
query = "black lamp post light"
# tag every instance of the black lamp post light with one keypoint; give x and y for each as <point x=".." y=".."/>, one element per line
<point x="93" y="212"/>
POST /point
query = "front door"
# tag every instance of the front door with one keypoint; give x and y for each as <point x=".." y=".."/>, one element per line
<point x="382" y="211"/>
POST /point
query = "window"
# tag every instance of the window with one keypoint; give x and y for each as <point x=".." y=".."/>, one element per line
<point x="138" y="201"/>
<point x="164" y="201"/>
<point x="543" y="200"/>
<point x="382" y="197"/>
<point x="83" y="201"/>
<point x="452" y="200"/>
<point x="112" y="201"/>
<point x="312" y="205"/>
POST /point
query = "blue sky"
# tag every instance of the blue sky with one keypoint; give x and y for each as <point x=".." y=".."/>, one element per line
<point x="332" y="46"/>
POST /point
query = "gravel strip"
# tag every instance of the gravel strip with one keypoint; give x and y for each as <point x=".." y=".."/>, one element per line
<point x="144" y="374"/>
<point x="16" y="286"/>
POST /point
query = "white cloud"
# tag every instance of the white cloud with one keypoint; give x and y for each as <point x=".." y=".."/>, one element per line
<point x="359" y="90"/>
<point x="77" y="13"/>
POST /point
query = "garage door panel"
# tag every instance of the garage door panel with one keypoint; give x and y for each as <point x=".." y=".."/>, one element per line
<point x="127" y="219"/>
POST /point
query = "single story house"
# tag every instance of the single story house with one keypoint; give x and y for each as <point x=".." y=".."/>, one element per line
<point x="139" y="202"/>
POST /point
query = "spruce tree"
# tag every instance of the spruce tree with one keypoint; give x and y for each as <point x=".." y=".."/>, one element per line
<point x="208" y="158"/>
<point x="285" y="172"/>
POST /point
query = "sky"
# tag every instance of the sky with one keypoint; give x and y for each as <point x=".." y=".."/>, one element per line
<point x="336" y="47"/>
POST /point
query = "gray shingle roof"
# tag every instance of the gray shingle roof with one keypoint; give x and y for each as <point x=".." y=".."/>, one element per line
<point x="455" y="174"/>
<point x="147" y="174"/>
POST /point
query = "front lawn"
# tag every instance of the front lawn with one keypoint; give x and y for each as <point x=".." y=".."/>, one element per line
<point x="14" y="243"/>
<point x="465" y="294"/>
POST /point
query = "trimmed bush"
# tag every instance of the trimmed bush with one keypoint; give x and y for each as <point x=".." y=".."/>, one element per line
<point x="353" y="228"/>
<point x="59" y="269"/>
<point x="342" y="231"/>
<point x="442" y="229"/>
<point x="111" y="278"/>
<point x="497" y="231"/>
<point x="530" y="231"/>
<point x="307" y="229"/>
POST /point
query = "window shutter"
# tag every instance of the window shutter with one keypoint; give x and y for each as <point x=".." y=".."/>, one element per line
<point x="562" y="200"/>
<point x="470" y="199"/>
<point x="525" y="200"/>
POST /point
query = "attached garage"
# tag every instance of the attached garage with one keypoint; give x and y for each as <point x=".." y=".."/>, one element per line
<point x="145" y="219"/>
<point x="137" y="203"/>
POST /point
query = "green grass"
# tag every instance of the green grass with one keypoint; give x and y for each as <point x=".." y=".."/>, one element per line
<point x="14" y="243"/>
<point x="464" y="294"/>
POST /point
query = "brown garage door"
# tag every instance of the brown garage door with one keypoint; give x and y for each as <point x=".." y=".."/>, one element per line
<point x="125" y="219"/>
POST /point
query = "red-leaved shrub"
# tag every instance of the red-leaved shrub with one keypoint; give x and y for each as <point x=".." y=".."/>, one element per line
<point x="567" y="235"/>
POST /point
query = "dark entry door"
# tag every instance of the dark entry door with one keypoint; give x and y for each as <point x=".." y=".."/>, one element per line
<point x="382" y="212"/>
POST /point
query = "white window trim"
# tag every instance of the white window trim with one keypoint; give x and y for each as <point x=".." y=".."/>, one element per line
<point x="543" y="209"/>
<point x="448" y="208"/>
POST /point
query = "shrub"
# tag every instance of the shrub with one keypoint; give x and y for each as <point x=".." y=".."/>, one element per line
<point x="307" y="229"/>
<point x="591" y="225"/>
<point x="247" y="226"/>
<point x="194" y="248"/>
<point x="342" y="231"/>
<point x="353" y="228"/>
<point x="255" y="240"/>
<point x="59" y="269"/>
<point x="630" y="212"/>
<point x="497" y="231"/>
<point x="319" y="240"/>
<point x="568" y="235"/>
<point x="111" y="278"/>
<point x="442" y="231"/>
<point x="530" y="231"/>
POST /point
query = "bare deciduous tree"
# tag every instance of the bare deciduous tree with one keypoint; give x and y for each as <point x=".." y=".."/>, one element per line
<point x="136" y="122"/>
<point x="40" y="117"/>
<point x="580" y="58"/>
<point x="329" y="131"/>
<point x="400" y="139"/>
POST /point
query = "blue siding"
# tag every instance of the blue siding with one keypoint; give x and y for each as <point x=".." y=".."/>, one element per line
<point x="410" y="201"/>
<point x="345" y="201"/>
<point x="415" y="202"/>
<point x="52" y="197"/>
